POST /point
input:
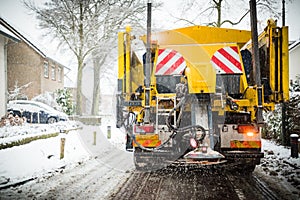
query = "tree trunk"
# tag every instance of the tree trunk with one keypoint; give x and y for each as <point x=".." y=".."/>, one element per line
<point x="96" y="90"/>
<point x="219" y="11"/>
<point x="80" y="64"/>
<point x="98" y="62"/>
<point x="79" y="89"/>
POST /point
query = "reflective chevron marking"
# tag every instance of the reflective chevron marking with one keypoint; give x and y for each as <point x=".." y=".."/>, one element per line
<point x="227" y="61"/>
<point x="169" y="62"/>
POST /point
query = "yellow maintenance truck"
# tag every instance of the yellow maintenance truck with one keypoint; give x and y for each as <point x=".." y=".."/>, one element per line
<point x="194" y="97"/>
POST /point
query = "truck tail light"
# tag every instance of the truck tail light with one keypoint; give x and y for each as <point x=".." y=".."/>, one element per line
<point x="193" y="143"/>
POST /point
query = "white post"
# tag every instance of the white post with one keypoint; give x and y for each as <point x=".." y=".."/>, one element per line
<point x="95" y="137"/>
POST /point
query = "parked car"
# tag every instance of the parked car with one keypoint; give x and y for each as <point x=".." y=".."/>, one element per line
<point x="35" y="112"/>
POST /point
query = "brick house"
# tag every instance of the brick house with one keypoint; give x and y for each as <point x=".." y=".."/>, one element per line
<point x="4" y="39"/>
<point x="29" y="66"/>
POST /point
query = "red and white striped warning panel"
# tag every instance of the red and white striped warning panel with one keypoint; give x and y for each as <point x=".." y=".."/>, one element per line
<point x="227" y="61"/>
<point x="169" y="62"/>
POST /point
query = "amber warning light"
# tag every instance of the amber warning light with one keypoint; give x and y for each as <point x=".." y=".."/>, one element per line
<point x="250" y="130"/>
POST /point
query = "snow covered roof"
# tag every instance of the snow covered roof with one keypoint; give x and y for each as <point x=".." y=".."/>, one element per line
<point x="9" y="36"/>
<point x="293" y="45"/>
<point x="54" y="61"/>
<point x="8" y="29"/>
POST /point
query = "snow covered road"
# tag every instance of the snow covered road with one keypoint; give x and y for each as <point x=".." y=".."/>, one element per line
<point x="97" y="169"/>
<point x="90" y="180"/>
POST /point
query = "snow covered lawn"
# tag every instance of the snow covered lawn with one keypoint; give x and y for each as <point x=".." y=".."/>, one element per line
<point x="15" y="134"/>
<point x="38" y="157"/>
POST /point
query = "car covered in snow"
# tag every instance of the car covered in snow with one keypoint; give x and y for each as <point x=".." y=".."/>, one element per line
<point x="35" y="112"/>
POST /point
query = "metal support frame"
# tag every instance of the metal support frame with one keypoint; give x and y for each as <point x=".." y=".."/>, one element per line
<point x="164" y="112"/>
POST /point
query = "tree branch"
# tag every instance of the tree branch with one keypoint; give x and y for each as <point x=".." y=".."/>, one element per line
<point x="235" y="23"/>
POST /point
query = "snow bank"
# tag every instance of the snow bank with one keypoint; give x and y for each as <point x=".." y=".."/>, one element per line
<point x="41" y="156"/>
<point x="10" y="134"/>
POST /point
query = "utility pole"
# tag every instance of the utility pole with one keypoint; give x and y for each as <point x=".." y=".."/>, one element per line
<point x="148" y="66"/>
<point x="256" y="62"/>
<point x="283" y="12"/>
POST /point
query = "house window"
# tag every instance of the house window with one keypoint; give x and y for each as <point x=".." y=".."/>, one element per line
<point x="59" y="75"/>
<point x="53" y="74"/>
<point x="46" y="70"/>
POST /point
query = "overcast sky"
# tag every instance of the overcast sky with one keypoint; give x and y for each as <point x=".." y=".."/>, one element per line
<point x="15" y="14"/>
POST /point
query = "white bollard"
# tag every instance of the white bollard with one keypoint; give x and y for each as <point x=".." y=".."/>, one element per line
<point x="108" y="132"/>
<point x="95" y="137"/>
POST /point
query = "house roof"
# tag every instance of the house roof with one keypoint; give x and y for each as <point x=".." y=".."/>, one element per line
<point x="11" y="32"/>
<point x="9" y="36"/>
<point x="294" y="45"/>
<point x="54" y="61"/>
<point x="16" y="33"/>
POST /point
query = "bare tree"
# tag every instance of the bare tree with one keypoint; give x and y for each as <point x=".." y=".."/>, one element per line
<point x="117" y="14"/>
<point x="221" y="12"/>
<point x="83" y="26"/>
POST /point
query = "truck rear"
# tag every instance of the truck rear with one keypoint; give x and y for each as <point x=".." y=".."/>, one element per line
<point x="203" y="97"/>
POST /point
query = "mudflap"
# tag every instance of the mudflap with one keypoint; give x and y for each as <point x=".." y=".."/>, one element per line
<point x="129" y="145"/>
